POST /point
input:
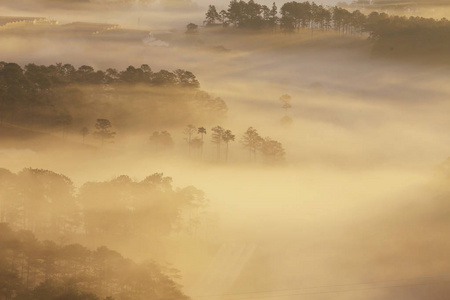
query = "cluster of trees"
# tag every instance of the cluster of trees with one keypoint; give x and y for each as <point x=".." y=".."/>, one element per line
<point x="272" y="151"/>
<point x="243" y="15"/>
<point x="31" y="269"/>
<point x="121" y="213"/>
<point x="294" y="15"/>
<point x="41" y="77"/>
<point x="390" y="34"/>
<point x="62" y="97"/>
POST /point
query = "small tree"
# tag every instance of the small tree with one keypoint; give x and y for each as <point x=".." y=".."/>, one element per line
<point x="227" y="137"/>
<point x="161" y="140"/>
<point x="104" y="132"/>
<point x="188" y="132"/>
<point x="84" y="132"/>
<point x="286" y="101"/>
<point x="201" y="131"/>
<point x="217" y="137"/>
<point x="191" y="29"/>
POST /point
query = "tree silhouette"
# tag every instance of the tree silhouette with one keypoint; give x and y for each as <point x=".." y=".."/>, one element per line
<point x="161" y="140"/>
<point x="227" y="138"/>
<point x="185" y="79"/>
<point x="188" y="132"/>
<point x="252" y="141"/>
<point x="212" y="16"/>
<point x="286" y="102"/>
<point x="272" y="151"/>
<point x="217" y="138"/>
<point x="201" y="131"/>
<point x="191" y="29"/>
<point x="104" y="132"/>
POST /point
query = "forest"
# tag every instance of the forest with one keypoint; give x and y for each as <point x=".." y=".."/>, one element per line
<point x="60" y="96"/>
<point x="392" y="36"/>
<point x="44" y="219"/>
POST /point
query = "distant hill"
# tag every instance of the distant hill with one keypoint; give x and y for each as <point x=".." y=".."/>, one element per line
<point x="51" y="28"/>
<point x="72" y="3"/>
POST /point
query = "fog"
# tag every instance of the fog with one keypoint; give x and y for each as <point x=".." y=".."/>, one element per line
<point x="357" y="209"/>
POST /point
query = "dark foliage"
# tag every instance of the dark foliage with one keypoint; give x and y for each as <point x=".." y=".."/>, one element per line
<point x="60" y="97"/>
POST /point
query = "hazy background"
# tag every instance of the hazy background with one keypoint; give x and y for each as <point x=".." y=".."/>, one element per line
<point x="362" y="157"/>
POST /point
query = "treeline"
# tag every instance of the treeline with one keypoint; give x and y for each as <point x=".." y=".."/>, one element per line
<point x="31" y="269"/>
<point x="295" y="15"/>
<point x="57" y="96"/>
<point x="392" y="35"/>
<point x="292" y="16"/>
<point x="271" y="151"/>
<point x="40" y="77"/>
<point x="121" y="213"/>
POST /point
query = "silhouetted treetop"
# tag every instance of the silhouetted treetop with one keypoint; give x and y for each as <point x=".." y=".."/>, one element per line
<point x="43" y="77"/>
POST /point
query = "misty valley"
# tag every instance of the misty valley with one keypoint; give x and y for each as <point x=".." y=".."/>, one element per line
<point x="228" y="150"/>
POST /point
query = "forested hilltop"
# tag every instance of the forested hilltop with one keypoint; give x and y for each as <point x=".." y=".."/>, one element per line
<point x="425" y="39"/>
<point x="53" y="240"/>
<point x="62" y="97"/>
